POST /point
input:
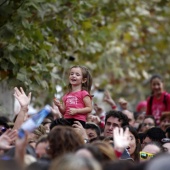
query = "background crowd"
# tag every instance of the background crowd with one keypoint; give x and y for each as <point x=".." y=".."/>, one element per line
<point x="118" y="139"/>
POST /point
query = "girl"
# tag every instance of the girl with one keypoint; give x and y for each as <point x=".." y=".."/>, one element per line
<point x="159" y="101"/>
<point x="77" y="102"/>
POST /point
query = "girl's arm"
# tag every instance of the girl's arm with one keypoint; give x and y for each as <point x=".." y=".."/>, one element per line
<point x="61" y="106"/>
<point x="87" y="109"/>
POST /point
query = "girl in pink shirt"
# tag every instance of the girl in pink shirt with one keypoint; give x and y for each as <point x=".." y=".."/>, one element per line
<point x="77" y="102"/>
<point x="159" y="101"/>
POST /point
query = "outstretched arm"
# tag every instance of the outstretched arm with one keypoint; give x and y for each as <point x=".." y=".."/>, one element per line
<point x="24" y="101"/>
<point x="109" y="100"/>
<point x="60" y="105"/>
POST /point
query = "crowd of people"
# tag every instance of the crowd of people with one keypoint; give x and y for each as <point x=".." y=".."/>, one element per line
<point x="71" y="137"/>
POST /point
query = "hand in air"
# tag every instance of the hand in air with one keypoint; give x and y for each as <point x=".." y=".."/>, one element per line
<point x="120" y="137"/>
<point x="7" y="138"/>
<point x="57" y="102"/>
<point x="20" y="95"/>
<point x="107" y="98"/>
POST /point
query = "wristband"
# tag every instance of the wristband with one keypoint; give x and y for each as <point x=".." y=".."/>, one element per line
<point x="114" y="107"/>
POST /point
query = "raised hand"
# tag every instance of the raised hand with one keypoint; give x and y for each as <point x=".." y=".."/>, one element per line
<point x="20" y="95"/>
<point x="120" y="137"/>
<point x="95" y="119"/>
<point x="7" y="138"/>
<point x="56" y="111"/>
<point x="107" y="98"/>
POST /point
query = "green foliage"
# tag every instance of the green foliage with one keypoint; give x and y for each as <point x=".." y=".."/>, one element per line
<point x="123" y="42"/>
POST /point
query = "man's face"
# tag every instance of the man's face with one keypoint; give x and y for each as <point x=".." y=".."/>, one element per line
<point x="111" y="123"/>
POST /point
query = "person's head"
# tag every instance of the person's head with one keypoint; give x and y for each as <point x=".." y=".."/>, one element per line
<point x="153" y="134"/>
<point x="114" y="118"/>
<point x="141" y="107"/>
<point x="134" y="143"/>
<point x="63" y="139"/>
<point x="166" y="144"/>
<point x="118" y="165"/>
<point x="99" y="150"/>
<point x="130" y="116"/>
<point x="47" y="123"/>
<point x="156" y="83"/>
<point x="34" y="136"/>
<point x="150" y="150"/>
<point x="93" y="131"/>
<point x="40" y="147"/>
<point x="148" y="122"/>
<point x="74" y="162"/>
<point x="80" y="75"/>
<point x="159" y="162"/>
<point x="165" y="120"/>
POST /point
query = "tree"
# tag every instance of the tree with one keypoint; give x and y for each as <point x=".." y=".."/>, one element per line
<point x="122" y="42"/>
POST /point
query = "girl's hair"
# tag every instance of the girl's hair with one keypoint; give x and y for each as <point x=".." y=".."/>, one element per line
<point x="86" y="74"/>
<point x="156" y="76"/>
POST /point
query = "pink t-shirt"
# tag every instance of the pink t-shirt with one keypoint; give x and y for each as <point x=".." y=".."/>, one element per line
<point x="75" y="100"/>
<point x="158" y="106"/>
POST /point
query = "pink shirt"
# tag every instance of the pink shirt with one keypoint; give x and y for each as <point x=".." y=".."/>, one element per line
<point x="75" y="100"/>
<point x="158" y="106"/>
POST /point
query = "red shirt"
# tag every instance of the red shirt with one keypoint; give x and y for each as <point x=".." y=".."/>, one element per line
<point x="75" y="100"/>
<point x="158" y="105"/>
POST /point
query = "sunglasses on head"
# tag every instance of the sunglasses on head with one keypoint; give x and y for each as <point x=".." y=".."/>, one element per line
<point x="2" y="130"/>
<point x="145" y="155"/>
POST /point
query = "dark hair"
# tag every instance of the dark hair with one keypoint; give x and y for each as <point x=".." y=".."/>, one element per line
<point x="118" y="165"/>
<point x="150" y="116"/>
<point x="138" y="145"/>
<point x="155" y="134"/>
<point x="154" y="76"/>
<point x="168" y="131"/>
<point x="96" y="128"/>
<point x="117" y="114"/>
<point x="86" y="74"/>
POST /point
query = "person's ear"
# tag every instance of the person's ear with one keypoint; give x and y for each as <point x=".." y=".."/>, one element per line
<point x="84" y="80"/>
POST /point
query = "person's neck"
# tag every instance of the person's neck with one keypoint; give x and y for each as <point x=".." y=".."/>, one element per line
<point x="76" y="88"/>
<point x="158" y="95"/>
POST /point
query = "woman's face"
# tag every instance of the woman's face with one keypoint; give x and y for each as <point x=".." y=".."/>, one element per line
<point x="132" y="143"/>
<point x="148" y="123"/>
<point x="156" y="86"/>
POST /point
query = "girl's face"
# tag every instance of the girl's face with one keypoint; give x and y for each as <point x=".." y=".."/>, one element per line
<point x="76" y="76"/>
<point x="148" y="123"/>
<point x="156" y="86"/>
<point x="132" y="145"/>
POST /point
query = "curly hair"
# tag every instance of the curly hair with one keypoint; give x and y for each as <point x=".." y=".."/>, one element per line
<point x="118" y="114"/>
<point x="63" y="139"/>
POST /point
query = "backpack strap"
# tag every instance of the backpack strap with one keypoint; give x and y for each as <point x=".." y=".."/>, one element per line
<point x="150" y="105"/>
<point x="165" y="100"/>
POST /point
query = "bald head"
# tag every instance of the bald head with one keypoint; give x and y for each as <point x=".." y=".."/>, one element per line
<point x="130" y="116"/>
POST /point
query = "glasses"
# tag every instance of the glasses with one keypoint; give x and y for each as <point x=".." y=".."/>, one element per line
<point x="145" y="155"/>
<point x="2" y="130"/>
